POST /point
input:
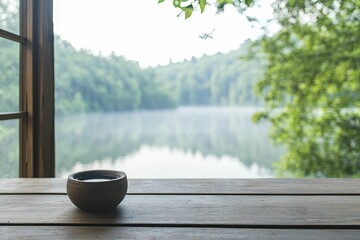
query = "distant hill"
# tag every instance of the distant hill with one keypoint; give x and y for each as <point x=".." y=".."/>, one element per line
<point x="88" y="83"/>
<point x="220" y="79"/>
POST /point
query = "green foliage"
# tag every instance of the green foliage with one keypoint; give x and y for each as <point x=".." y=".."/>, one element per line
<point x="9" y="59"/>
<point x="9" y="77"/>
<point x="312" y="86"/>
<point x="221" y="79"/>
<point x="187" y="6"/>
<point x="155" y="93"/>
<point x="85" y="82"/>
<point x="9" y="16"/>
<point x="188" y="10"/>
<point x="88" y="83"/>
<point x="202" y="4"/>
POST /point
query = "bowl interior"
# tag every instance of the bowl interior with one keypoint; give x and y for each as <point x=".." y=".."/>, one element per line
<point x="97" y="176"/>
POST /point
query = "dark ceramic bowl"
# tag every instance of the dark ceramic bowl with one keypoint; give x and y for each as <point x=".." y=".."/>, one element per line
<point x="97" y="190"/>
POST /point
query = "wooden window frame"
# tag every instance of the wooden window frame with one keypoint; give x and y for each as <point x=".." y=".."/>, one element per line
<point x="36" y="113"/>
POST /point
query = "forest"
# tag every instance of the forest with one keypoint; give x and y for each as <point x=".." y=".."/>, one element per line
<point x="89" y="83"/>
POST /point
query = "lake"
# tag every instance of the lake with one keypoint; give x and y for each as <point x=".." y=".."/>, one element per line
<point x="188" y="142"/>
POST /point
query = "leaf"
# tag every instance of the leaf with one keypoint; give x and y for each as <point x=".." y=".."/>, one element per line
<point x="226" y="2"/>
<point x="202" y="4"/>
<point x="176" y="3"/>
<point x="188" y="11"/>
<point x="251" y="19"/>
<point x="160" y="1"/>
<point x="248" y="2"/>
<point x="258" y="116"/>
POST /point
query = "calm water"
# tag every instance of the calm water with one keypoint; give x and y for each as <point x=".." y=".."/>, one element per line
<point x="183" y="143"/>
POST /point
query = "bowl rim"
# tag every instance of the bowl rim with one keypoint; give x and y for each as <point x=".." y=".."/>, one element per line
<point x="110" y="175"/>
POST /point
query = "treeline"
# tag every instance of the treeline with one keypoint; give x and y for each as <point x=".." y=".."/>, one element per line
<point x="85" y="82"/>
<point x="221" y="79"/>
<point x="89" y="83"/>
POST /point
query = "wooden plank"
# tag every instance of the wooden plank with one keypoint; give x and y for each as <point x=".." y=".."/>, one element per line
<point x="15" y="115"/>
<point x="247" y="186"/>
<point x="198" y="186"/>
<point x="12" y="37"/>
<point x="215" y="210"/>
<point x="33" y="186"/>
<point x="81" y="232"/>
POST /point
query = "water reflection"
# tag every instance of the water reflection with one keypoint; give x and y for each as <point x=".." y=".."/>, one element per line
<point x="187" y="142"/>
<point x="163" y="162"/>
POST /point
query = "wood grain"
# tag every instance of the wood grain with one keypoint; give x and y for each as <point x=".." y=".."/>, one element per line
<point x="79" y="232"/>
<point x="37" y="148"/>
<point x="284" y="211"/>
<point x="198" y="186"/>
<point x="43" y="67"/>
<point x="26" y="168"/>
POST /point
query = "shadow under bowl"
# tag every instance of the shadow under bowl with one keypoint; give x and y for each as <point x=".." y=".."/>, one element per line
<point x="97" y="190"/>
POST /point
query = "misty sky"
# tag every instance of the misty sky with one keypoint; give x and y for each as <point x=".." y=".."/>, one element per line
<point x="148" y="32"/>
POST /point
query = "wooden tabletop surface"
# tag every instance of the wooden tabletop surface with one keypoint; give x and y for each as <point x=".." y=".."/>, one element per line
<point x="187" y="209"/>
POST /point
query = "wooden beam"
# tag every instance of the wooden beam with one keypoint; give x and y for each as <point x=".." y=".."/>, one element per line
<point x="44" y="148"/>
<point x="37" y="89"/>
<point x="9" y="116"/>
<point x="12" y="37"/>
<point x="43" y="60"/>
<point x="26" y="91"/>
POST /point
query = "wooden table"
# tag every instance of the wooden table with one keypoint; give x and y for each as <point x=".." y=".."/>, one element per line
<point x="187" y="209"/>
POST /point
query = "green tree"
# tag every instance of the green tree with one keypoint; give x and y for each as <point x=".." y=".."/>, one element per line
<point x="155" y="94"/>
<point x="220" y="79"/>
<point x="312" y="86"/>
<point x="312" y="83"/>
<point x="89" y="83"/>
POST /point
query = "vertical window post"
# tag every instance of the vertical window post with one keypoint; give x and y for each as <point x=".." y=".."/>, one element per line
<point x="37" y="89"/>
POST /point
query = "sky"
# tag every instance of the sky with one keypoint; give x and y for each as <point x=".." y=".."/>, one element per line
<point x="151" y="33"/>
